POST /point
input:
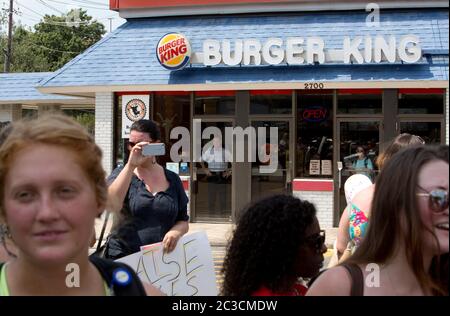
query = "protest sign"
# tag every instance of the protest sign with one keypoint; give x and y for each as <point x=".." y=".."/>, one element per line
<point x="186" y="271"/>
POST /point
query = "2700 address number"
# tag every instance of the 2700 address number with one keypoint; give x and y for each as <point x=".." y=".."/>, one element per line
<point x="314" y="85"/>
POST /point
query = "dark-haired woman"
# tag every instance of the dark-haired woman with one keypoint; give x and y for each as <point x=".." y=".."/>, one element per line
<point x="151" y="199"/>
<point x="277" y="240"/>
<point x="405" y="250"/>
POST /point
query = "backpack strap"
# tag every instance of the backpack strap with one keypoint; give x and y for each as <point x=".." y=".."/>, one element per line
<point x="107" y="268"/>
<point x="357" y="277"/>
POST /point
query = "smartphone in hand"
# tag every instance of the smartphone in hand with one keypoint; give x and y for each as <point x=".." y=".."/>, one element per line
<point x="157" y="149"/>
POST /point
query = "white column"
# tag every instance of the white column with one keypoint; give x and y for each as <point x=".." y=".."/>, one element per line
<point x="46" y="108"/>
<point x="104" y="105"/>
<point x="10" y="112"/>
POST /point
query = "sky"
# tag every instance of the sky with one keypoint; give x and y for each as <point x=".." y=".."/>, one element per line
<point x="32" y="11"/>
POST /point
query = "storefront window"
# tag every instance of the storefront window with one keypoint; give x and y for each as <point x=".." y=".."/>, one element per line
<point x="421" y="101"/>
<point x="271" y="102"/>
<point x="429" y="131"/>
<point x="314" y="145"/>
<point x="359" y="101"/>
<point x="172" y="110"/>
<point x="214" y="103"/>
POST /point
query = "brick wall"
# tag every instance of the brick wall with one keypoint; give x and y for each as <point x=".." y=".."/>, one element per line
<point x="323" y="201"/>
<point x="104" y="103"/>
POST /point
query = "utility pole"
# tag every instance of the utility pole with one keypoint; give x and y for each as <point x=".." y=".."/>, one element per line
<point x="9" y="47"/>
<point x="110" y="24"/>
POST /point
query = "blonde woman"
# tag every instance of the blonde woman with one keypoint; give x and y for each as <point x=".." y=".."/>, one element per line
<point x="52" y="187"/>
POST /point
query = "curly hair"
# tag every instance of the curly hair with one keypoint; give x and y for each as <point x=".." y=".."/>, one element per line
<point x="265" y="247"/>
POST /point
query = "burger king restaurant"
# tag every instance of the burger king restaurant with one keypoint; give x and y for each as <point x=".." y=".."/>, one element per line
<point x="298" y="86"/>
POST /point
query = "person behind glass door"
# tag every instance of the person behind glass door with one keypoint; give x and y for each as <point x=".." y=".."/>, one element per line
<point x="407" y="239"/>
<point x="363" y="164"/>
<point x="217" y="173"/>
<point x="150" y="199"/>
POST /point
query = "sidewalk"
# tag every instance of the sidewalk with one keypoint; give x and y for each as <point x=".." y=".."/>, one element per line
<point x="219" y="234"/>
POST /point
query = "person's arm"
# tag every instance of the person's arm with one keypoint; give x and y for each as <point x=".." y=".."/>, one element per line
<point x="205" y="168"/>
<point x="181" y="225"/>
<point x="118" y="189"/>
<point x="174" y="234"/>
<point x="333" y="282"/>
<point x="342" y="236"/>
<point x="151" y="290"/>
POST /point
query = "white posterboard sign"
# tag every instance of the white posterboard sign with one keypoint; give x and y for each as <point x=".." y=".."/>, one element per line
<point x="326" y="167"/>
<point x="134" y="108"/>
<point x="314" y="167"/>
<point x="186" y="271"/>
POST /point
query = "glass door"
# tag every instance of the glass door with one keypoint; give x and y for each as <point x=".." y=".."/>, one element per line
<point x="212" y="173"/>
<point x="431" y="132"/>
<point x="359" y="142"/>
<point x="271" y="168"/>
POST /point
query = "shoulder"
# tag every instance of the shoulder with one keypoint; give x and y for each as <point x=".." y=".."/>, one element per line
<point x="172" y="176"/>
<point x="333" y="282"/>
<point x="363" y="199"/>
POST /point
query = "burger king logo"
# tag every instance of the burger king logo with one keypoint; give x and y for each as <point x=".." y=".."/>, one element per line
<point x="173" y="51"/>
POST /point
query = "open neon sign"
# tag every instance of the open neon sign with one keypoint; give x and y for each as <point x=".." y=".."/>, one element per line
<point x="315" y="114"/>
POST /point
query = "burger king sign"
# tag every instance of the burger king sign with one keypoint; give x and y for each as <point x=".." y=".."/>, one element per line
<point x="173" y="51"/>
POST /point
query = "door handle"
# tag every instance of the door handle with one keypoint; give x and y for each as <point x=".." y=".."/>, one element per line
<point x="339" y="166"/>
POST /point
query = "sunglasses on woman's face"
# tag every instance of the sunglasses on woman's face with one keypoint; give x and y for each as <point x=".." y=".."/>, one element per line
<point x="438" y="200"/>
<point x="132" y="144"/>
<point x="317" y="241"/>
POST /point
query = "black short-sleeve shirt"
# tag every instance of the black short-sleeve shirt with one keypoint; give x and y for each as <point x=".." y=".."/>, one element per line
<point x="148" y="217"/>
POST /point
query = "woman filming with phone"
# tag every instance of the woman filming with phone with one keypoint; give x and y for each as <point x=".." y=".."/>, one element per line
<point x="149" y="199"/>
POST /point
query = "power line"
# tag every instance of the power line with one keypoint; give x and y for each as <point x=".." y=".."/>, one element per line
<point x="57" y="22"/>
<point x="50" y="7"/>
<point x="82" y="6"/>
<point x="20" y="4"/>
<point x="55" y="50"/>
<point x="92" y="3"/>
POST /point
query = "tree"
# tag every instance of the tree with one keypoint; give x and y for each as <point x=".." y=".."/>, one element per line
<point x="55" y="41"/>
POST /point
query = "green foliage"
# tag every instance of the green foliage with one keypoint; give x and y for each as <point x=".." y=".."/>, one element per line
<point x="85" y="117"/>
<point x="54" y="42"/>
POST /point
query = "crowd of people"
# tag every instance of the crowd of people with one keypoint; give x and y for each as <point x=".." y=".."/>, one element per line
<point x="53" y="187"/>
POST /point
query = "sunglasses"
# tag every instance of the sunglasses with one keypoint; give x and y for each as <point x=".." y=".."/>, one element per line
<point x="131" y="144"/>
<point x="438" y="199"/>
<point x="317" y="241"/>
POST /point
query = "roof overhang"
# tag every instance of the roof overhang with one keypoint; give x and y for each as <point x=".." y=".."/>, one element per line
<point x="298" y="85"/>
<point x="84" y="102"/>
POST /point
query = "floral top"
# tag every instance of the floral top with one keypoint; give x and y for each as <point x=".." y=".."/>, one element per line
<point x="358" y="224"/>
